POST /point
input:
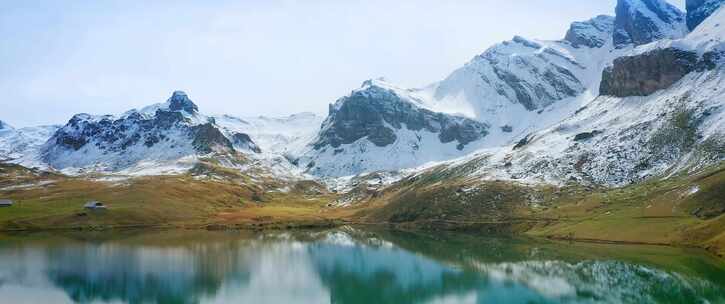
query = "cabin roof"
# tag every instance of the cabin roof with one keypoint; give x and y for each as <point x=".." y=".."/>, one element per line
<point x="94" y="204"/>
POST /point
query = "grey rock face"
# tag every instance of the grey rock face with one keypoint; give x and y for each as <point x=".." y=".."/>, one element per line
<point x="525" y="72"/>
<point x="699" y="10"/>
<point x="586" y="135"/>
<point x="116" y="135"/>
<point x="640" y="22"/>
<point x="643" y="74"/>
<point x="243" y="141"/>
<point x="207" y="138"/>
<point x="376" y="113"/>
<point x="552" y="82"/>
<point x="593" y="33"/>
<point x="179" y="101"/>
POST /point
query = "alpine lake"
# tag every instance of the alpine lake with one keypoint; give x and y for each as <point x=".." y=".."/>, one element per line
<point x="345" y="265"/>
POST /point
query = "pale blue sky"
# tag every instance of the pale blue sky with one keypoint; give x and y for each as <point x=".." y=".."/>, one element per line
<point x="245" y="58"/>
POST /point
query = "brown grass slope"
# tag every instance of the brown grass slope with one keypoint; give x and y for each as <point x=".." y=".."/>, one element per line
<point x="685" y="210"/>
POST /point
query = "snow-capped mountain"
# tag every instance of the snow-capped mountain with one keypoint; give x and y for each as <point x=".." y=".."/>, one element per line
<point x="699" y="10"/>
<point x="166" y="137"/>
<point x="617" y="100"/>
<point x="518" y="74"/>
<point x="280" y="140"/>
<point x="522" y="85"/>
<point x="662" y="111"/>
<point x="512" y="89"/>
<point x="380" y="126"/>
<point x="279" y="135"/>
<point x="23" y="144"/>
<point x="640" y="22"/>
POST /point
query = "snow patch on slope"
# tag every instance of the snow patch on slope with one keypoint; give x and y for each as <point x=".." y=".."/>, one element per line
<point x="278" y="135"/>
<point x="22" y="146"/>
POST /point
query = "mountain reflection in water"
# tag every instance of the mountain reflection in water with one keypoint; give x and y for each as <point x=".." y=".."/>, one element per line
<point x="345" y="266"/>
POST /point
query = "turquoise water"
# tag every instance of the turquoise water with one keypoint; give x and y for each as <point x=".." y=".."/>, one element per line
<point x="345" y="266"/>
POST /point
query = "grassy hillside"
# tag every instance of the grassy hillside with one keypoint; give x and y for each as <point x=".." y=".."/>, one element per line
<point x="56" y="202"/>
<point x="687" y="210"/>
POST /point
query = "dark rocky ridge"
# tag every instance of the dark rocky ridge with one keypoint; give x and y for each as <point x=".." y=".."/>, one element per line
<point x="631" y="26"/>
<point x="208" y="138"/>
<point x="179" y="101"/>
<point x="699" y="10"/>
<point x="117" y="135"/>
<point x="376" y="113"/>
<point x="243" y="141"/>
<point x="644" y="74"/>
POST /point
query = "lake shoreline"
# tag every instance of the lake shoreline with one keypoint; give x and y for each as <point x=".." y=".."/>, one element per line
<point x="511" y="228"/>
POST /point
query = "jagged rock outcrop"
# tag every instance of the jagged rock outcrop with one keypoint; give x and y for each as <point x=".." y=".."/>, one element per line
<point x="376" y="113"/>
<point x="207" y="138"/>
<point x="646" y="73"/>
<point x="593" y="33"/>
<point x="244" y="142"/>
<point x="640" y="22"/>
<point x="699" y="10"/>
<point x="179" y="101"/>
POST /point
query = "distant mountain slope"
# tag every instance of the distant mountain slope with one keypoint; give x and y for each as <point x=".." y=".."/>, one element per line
<point x="671" y="119"/>
<point x="22" y="145"/>
<point x="280" y="135"/>
<point x="520" y="86"/>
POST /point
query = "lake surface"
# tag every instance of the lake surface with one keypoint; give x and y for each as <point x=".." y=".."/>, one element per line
<point x="345" y="266"/>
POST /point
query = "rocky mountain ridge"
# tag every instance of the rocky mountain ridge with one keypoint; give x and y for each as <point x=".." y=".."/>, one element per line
<point x="160" y="134"/>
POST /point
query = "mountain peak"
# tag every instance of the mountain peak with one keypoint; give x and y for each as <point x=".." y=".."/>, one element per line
<point x="593" y="33"/>
<point x="179" y="101"/>
<point x="640" y="22"/>
<point x="376" y="82"/>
